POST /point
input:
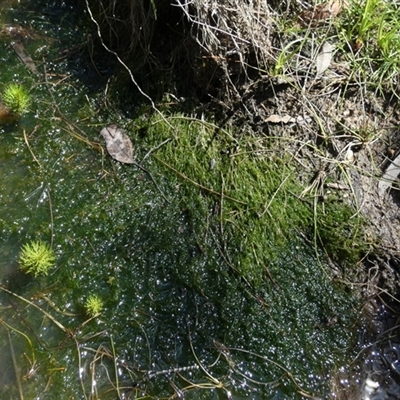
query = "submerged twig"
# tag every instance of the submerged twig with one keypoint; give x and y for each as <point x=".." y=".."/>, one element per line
<point x="29" y="147"/>
<point x="80" y="369"/>
<point x="115" y="369"/>
<point x="215" y="381"/>
<point x="153" y="180"/>
<point x="51" y="217"/>
<point x="16" y="369"/>
<point x="62" y="327"/>
<point x="302" y="391"/>
<point x="24" y="56"/>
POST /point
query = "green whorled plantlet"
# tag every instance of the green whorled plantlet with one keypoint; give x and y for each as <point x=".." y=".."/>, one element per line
<point x="94" y="305"/>
<point x="16" y="98"/>
<point x="36" y="257"/>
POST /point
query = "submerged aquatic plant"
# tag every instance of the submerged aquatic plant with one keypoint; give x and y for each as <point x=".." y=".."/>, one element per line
<point x="36" y="257"/>
<point x="16" y="99"/>
<point x="94" y="305"/>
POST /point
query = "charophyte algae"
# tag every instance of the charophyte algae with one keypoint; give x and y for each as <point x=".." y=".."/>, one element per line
<point x="207" y="270"/>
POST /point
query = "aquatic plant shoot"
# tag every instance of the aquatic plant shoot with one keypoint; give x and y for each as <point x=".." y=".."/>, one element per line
<point x="37" y="258"/>
<point x="16" y="98"/>
<point x="94" y="305"/>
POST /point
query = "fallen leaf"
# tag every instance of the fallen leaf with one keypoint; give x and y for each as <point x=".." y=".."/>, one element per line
<point x="276" y="119"/>
<point x="324" y="58"/>
<point x="322" y="12"/>
<point x="118" y="144"/>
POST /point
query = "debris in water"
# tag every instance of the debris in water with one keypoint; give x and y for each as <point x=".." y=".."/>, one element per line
<point x="24" y="56"/>
<point x="118" y="144"/>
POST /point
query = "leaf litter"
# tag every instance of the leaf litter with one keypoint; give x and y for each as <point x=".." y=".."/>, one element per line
<point x="118" y="144"/>
<point x="120" y="148"/>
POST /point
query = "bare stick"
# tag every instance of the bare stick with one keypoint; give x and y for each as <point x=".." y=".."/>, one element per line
<point x="62" y="327"/>
<point x="16" y="369"/>
<point x="156" y="148"/>
<point x="29" y="147"/>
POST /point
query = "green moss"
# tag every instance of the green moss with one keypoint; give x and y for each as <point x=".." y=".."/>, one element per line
<point x="36" y="257"/>
<point x="94" y="305"/>
<point x="16" y="98"/>
<point x="238" y="190"/>
<point x="341" y="232"/>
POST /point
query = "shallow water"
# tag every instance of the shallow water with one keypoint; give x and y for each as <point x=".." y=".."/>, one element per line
<point x="177" y="320"/>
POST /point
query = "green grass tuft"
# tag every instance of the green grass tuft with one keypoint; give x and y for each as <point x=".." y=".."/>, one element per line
<point x="372" y="30"/>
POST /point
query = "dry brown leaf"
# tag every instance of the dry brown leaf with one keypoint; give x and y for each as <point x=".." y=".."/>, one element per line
<point x="322" y="12"/>
<point x="118" y="144"/>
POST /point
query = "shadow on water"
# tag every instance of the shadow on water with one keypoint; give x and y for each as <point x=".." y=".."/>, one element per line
<point x="177" y="318"/>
